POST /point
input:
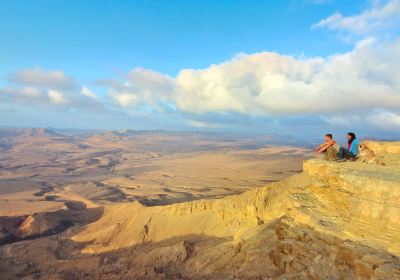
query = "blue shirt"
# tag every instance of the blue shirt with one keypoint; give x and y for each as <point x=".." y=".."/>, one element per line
<point x="354" y="147"/>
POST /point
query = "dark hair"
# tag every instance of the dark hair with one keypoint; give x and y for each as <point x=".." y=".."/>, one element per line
<point x="353" y="136"/>
<point x="329" y="135"/>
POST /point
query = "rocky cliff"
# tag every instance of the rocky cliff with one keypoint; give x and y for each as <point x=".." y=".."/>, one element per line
<point x="333" y="221"/>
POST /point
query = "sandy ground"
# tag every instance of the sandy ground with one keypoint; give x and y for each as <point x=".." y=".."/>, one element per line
<point x="40" y="169"/>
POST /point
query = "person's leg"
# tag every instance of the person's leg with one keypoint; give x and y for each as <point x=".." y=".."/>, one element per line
<point x="341" y="153"/>
<point x="345" y="153"/>
<point x="348" y="154"/>
<point x="331" y="154"/>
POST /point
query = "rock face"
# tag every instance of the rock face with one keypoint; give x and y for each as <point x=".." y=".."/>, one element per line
<point x="17" y="228"/>
<point x="333" y="221"/>
<point x="384" y="147"/>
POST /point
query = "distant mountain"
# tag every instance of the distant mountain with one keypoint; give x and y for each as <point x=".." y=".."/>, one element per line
<point x="10" y="132"/>
<point x="71" y="135"/>
<point x="28" y="132"/>
<point x="40" y="132"/>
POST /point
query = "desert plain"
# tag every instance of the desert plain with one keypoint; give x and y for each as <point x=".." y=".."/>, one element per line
<point x="41" y="170"/>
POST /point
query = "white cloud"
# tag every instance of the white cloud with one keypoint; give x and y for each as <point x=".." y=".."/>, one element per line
<point x="87" y="92"/>
<point x="143" y="87"/>
<point x="385" y="120"/>
<point x="30" y="92"/>
<point x="201" y="124"/>
<point x="378" y="16"/>
<point x="48" y="89"/>
<point x="37" y="77"/>
<point x="270" y="84"/>
<point x="56" y="97"/>
<point x="125" y="99"/>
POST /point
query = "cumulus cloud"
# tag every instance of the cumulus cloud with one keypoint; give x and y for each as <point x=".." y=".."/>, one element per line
<point x="125" y="99"/>
<point x="270" y="84"/>
<point x="378" y="16"/>
<point x="37" y="77"/>
<point x="56" y="97"/>
<point x="37" y="87"/>
<point x="143" y="88"/>
<point x="87" y="92"/>
<point x="340" y="89"/>
<point x="386" y="120"/>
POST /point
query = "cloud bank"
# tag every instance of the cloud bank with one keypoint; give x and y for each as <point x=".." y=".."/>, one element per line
<point x="269" y="84"/>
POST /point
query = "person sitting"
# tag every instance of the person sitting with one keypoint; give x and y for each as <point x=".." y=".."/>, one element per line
<point x="329" y="148"/>
<point x="352" y="148"/>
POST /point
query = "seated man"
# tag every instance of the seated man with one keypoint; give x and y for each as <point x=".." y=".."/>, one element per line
<point x="329" y="148"/>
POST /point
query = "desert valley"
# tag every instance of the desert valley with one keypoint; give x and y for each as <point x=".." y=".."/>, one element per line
<point x="46" y="168"/>
<point x="186" y="205"/>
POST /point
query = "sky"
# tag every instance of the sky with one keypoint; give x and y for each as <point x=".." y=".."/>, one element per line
<point x="295" y="67"/>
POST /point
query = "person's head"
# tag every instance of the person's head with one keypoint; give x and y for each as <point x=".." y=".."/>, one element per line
<point x="328" y="137"/>
<point x="350" y="137"/>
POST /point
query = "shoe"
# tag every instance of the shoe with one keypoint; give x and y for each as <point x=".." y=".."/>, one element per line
<point x="342" y="160"/>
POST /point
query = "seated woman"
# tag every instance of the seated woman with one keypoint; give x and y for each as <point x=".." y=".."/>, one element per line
<point x="352" y="148"/>
<point x="329" y="148"/>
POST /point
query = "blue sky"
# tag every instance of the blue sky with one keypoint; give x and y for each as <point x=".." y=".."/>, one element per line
<point x="131" y="57"/>
<point x="91" y="39"/>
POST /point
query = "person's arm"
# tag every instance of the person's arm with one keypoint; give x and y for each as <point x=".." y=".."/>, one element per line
<point x="325" y="146"/>
<point x="317" y="148"/>
<point x="320" y="148"/>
